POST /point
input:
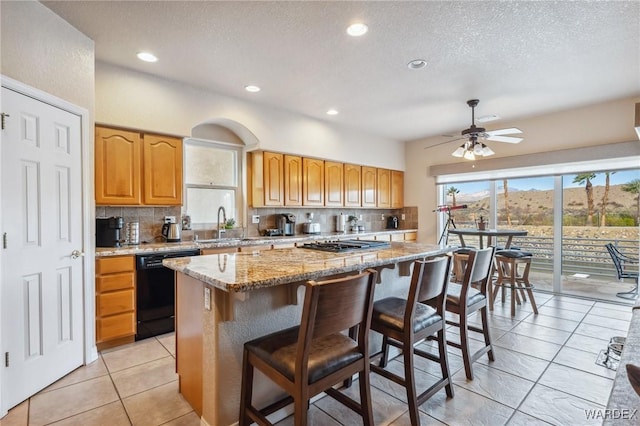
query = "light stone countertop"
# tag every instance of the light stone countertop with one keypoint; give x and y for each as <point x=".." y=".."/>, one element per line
<point x="238" y="242"/>
<point x="241" y="272"/>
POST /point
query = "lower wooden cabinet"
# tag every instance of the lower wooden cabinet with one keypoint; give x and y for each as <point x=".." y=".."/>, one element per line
<point x="115" y="301"/>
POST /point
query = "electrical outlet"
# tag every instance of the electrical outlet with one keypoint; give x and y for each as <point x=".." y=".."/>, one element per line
<point x="169" y="219"/>
<point x="402" y="216"/>
<point x="207" y="298"/>
<point x="382" y="216"/>
<point x="255" y="218"/>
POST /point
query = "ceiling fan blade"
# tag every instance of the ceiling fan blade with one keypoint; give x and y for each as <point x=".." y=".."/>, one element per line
<point x="507" y="139"/>
<point x="509" y="131"/>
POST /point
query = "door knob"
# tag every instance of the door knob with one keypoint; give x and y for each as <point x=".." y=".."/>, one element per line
<point x="76" y="254"/>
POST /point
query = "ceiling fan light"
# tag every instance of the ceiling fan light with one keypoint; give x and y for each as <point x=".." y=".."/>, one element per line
<point x="486" y="151"/>
<point x="468" y="155"/>
<point x="459" y="152"/>
<point x="477" y="149"/>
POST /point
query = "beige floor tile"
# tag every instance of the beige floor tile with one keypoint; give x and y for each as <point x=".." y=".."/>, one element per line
<point x="17" y="416"/>
<point x="425" y="420"/>
<point x="552" y="322"/>
<point x="496" y="384"/>
<point x="190" y="419"/>
<point x="423" y="380"/>
<point x="598" y="332"/>
<point x="156" y="406"/>
<point x="582" y="360"/>
<point x="134" y="354"/>
<point x="145" y="376"/>
<point x="558" y="408"/>
<point x="612" y="323"/>
<point x="624" y="307"/>
<point x="570" y="305"/>
<point x="540" y="332"/>
<point x="168" y="341"/>
<point x="516" y="363"/>
<point x="108" y="415"/>
<point x="522" y="419"/>
<point x="561" y="313"/>
<point x="586" y="343"/>
<point x="61" y="403"/>
<point x="86" y="372"/>
<point x="315" y="417"/>
<point x="528" y="345"/>
<point x="612" y="313"/>
<point x="467" y="408"/>
<point x="579" y="383"/>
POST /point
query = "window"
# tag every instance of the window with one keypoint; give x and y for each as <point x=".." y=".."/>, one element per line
<point x="212" y="179"/>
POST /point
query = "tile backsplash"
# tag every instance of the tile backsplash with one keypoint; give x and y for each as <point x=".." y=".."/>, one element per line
<point x="149" y="218"/>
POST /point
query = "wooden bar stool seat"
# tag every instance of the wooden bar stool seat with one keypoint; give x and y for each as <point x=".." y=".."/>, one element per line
<point x="460" y="260"/>
<point x="510" y="276"/>
<point x="312" y="358"/>
<point x="405" y="322"/>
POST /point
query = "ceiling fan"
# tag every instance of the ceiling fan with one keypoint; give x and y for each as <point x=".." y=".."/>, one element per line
<point x="474" y="136"/>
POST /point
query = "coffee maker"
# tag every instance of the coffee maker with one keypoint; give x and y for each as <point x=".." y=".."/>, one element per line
<point x="392" y="222"/>
<point x="287" y="224"/>
<point x="108" y="231"/>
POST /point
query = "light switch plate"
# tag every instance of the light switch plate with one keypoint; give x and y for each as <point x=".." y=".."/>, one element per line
<point x="402" y="216"/>
<point x="255" y="218"/>
<point x="207" y="298"/>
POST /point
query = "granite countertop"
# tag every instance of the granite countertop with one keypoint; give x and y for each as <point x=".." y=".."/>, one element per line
<point x="237" y="242"/>
<point x="241" y="272"/>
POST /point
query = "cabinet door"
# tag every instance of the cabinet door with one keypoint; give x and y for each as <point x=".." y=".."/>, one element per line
<point x="117" y="167"/>
<point x="292" y="180"/>
<point x="397" y="189"/>
<point x="312" y="182"/>
<point x="384" y="188"/>
<point x="369" y="186"/>
<point x="162" y="170"/>
<point x="333" y="183"/>
<point x="273" y="182"/>
<point x="352" y="185"/>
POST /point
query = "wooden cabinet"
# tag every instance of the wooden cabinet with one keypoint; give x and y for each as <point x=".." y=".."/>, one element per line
<point x="312" y="182"/>
<point x="292" y="180"/>
<point x="115" y="301"/>
<point x="384" y="188"/>
<point x="117" y="167"/>
<point x="267" y="184"/>
<point x="162" y="170"/>
<point x="133" y="168"/>
<point x="369" y="186"/>
<point x="333" y="184"/>
<point x="352" y="185"/>
<point x="397" y="189"/>
<point x="219" y="250"/>
<point x="410" y="236"/>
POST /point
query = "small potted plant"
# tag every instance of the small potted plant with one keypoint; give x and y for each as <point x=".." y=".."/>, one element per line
<point x="229" y="223"/>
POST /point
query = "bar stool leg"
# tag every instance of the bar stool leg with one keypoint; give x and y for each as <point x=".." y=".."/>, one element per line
<point x="525" y="279"/>
<point x="513" y="287"/>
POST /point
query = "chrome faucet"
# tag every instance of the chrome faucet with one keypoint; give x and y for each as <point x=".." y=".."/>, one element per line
<point x="224" y="219"/>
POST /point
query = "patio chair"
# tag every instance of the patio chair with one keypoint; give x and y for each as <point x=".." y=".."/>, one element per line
<point x="622" y="262"/>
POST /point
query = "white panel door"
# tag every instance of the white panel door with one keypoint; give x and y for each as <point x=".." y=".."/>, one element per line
<point x="42" y="289"/>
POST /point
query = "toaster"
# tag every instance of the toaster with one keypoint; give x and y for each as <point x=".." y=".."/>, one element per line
<point x="311" y="228"/>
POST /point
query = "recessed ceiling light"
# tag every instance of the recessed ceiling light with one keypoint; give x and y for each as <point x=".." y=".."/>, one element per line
<point x="417" y="64"/>
<point x="356" y="30"/>
<point x="147" y="57"/>
<point x="332" y="112"/>
<point x="251" y="88"/>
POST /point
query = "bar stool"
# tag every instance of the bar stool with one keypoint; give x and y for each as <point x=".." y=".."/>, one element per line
<point x="309" y="359"/>
<point x="404" y="322"/>
<point x="463" y="300"/>
<point x="460" y="260"/>
<point x="507" y="262"/>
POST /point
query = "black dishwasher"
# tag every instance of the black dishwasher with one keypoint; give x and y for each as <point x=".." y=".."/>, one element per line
<point x="155" y="293"/>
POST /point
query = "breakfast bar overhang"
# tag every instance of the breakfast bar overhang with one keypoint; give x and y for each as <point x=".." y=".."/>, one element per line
<point x="224" y="300"/>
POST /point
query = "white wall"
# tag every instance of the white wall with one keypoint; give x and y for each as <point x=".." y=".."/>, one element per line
<point x="598" y="124"/>
<point x="137" y="100"/>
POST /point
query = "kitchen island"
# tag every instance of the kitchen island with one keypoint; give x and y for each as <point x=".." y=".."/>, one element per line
<point x="224" y="300"/>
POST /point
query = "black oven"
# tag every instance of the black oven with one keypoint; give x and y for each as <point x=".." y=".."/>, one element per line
<point x="155" y="293"/>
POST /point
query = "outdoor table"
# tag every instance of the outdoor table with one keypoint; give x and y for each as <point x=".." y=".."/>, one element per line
<point x="488" y="233"/>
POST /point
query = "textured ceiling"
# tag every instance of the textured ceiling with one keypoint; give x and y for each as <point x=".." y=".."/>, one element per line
<point x="519" y="58"/>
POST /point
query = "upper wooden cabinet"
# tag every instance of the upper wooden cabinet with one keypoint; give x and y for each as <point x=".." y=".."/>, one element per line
<point x="162" y="170"/>
<point x="292" y="180"/>
<point x="133" y="168"/>
<point x="369" y="186"/>
<point x="117" y="167"/>
<point x="273" y="183"/>
<point x="384" y="188"/>
<point x="352" y="185"/>
<point x="397" y="189"/>
<point x="333" y="184"/>
<point x="312" y="182"/>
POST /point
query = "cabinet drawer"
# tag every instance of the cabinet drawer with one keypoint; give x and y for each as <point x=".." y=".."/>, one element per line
<point x="121" y="281"/>
<point x="397" y="237"/>
<point x="410" y="236"/>
<point x="115" y="302"/>
<point x="385" y="237"/>
<point x="109" y="265"/>
<point x="115" y="326"/>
